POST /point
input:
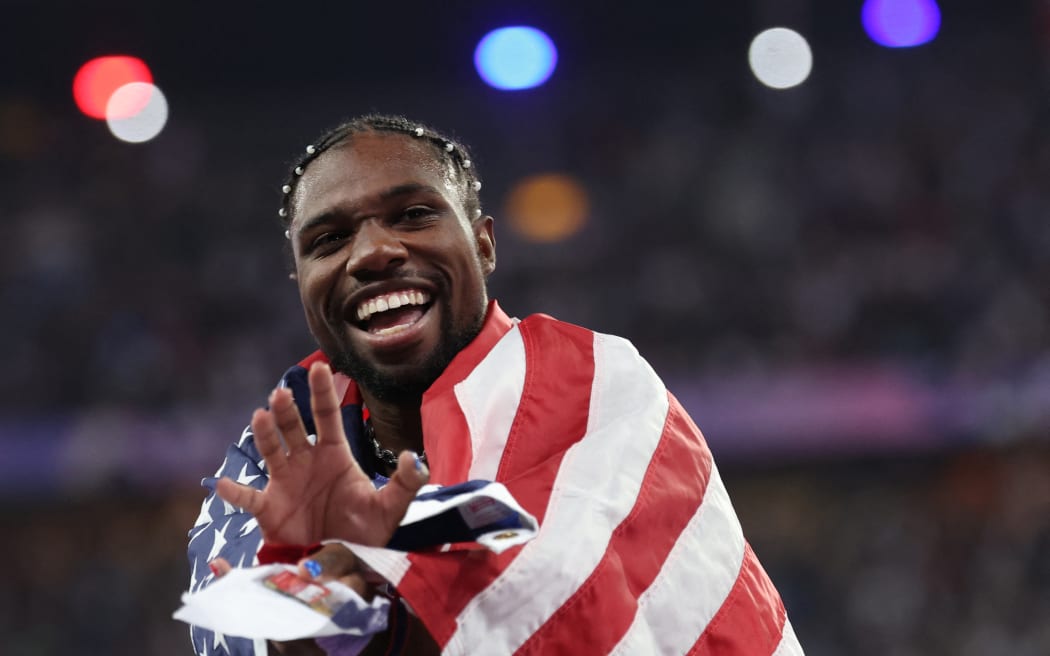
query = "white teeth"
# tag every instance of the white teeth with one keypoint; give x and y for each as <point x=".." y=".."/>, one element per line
<point x="391" y="301"/>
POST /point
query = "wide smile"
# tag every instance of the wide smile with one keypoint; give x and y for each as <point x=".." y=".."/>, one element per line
<point x="394" y="318"/>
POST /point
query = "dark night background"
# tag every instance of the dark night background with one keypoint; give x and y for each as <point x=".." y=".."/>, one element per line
<point x="846" y="283"/>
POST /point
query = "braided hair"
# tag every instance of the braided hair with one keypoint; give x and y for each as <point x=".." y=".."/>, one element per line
<point x="445" y="149"/>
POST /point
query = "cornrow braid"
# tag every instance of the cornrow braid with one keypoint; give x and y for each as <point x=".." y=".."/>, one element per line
<point x="445" y="148"/>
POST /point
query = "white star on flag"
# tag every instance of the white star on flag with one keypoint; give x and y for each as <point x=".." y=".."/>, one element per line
<point x="205" y="515"/>
<point x="249" y="526"/>
<point x="220" y="542"/>
<point x="243" y="478"/>
<point x="220" y="639"/>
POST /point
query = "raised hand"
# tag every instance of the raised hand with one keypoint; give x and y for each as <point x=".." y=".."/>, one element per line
<point x="318" y="492"/>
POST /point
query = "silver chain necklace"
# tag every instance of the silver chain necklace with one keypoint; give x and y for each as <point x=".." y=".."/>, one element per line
<point x="385" y="456"/>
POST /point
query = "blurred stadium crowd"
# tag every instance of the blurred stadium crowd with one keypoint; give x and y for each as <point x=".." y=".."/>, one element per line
<point x="891" y="213"/>
<point x="896" y="217"/>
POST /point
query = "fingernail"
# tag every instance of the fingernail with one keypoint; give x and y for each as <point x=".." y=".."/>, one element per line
<point x="421" y="467"/>
<point x="214" y="568"/>
<point x="313" y="567"/>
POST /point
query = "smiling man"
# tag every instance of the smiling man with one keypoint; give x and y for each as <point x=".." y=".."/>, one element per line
<point x="639" y="550"/>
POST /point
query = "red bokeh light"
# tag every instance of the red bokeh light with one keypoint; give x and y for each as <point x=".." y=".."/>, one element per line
<point x="96" y="81"/>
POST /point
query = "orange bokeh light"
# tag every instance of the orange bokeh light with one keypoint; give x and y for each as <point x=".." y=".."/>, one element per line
<point x="547" y="207"/>
<point x="96" y="81"/>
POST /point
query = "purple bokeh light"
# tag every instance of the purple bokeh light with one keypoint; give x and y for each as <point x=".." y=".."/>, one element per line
<point x="901" y="23"/>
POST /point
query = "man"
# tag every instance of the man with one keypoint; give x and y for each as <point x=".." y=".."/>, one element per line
<point x="639" y="550"/>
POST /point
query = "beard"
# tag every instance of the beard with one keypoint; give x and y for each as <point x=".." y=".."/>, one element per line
<point x="409" y="387"/>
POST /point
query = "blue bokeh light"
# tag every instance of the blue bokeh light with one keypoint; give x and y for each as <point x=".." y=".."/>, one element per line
<point x="513" y="58"/>
<point x="901" y="23"/>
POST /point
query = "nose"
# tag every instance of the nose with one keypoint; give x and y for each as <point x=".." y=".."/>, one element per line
<point x="376" y="250"/>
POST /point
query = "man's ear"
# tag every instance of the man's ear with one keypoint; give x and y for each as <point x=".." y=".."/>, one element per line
<point x="485" y="240"/>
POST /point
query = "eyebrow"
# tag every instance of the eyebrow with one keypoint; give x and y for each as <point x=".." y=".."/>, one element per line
<point x="385" y="196"/>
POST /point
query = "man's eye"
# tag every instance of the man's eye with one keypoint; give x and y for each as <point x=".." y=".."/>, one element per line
<point x="327" y="239"/>
<point x="417" y="212"/>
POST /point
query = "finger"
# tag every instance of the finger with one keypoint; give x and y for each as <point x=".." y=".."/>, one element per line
<point x="286" y="416"/>
<point x="239" y="495"/>
<point x="325" y="405"/>
<point x="334" y="561"/>
<point x="267" y="440"/>
<point x="411" y="474"/>
<point x="331" y="561"/>
<point x="358" y="584"/>
<point x="220" y="567"/>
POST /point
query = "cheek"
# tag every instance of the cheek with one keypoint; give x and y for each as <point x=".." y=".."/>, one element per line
<point x="313" y="293"/>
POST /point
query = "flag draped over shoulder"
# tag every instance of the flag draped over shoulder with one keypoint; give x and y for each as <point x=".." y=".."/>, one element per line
<point x="639" y="549"/>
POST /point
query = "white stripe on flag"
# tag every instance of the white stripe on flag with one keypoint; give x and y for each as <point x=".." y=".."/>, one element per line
<point x="489" y="399"/>
<point x="628" y="409"/>
<point x="390" y="564"/>
<point x="789" y="645"/>
<point x="695" y="579"/>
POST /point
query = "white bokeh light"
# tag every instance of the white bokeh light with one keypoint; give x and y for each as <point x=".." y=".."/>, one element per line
<point x="142" y="125"/>
<point x="780" y="58"/>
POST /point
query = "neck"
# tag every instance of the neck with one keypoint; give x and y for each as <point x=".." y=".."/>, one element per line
<point x="397" y="426"/>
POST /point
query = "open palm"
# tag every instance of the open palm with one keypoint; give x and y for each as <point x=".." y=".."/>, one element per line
<point x="318" y="492"/>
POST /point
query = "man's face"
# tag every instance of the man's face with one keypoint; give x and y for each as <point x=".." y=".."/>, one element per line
<point x="391" y="271"/>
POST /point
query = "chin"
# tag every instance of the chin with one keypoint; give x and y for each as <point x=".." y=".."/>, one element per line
<point x="410" y="376"/>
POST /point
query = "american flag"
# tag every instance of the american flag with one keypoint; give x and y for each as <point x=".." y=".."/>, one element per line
<point x="639" y="549"/>
<point x="224" y="530"/>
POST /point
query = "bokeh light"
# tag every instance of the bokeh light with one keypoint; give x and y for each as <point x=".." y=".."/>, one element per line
<point x="143" y="125"/>
<point x="513" y="58"/>
<point x="96" y="81"/>
<point x="547" y="207"/>
<point x="780" y="58"/>
<point x="901" y="23"/>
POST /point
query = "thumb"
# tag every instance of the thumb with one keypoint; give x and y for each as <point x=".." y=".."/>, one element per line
<point x="411" y="474"/>
<point x="331" y="561"/>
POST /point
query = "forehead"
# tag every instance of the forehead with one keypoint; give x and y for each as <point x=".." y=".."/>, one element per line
<point x="360" y="169"/>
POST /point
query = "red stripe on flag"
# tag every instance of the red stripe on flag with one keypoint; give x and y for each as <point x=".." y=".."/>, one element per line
<point x="671" y="492"/>
<point x="447" y="439"/>
<point x="552" y="416"/>
<point x="750" y="621"/>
